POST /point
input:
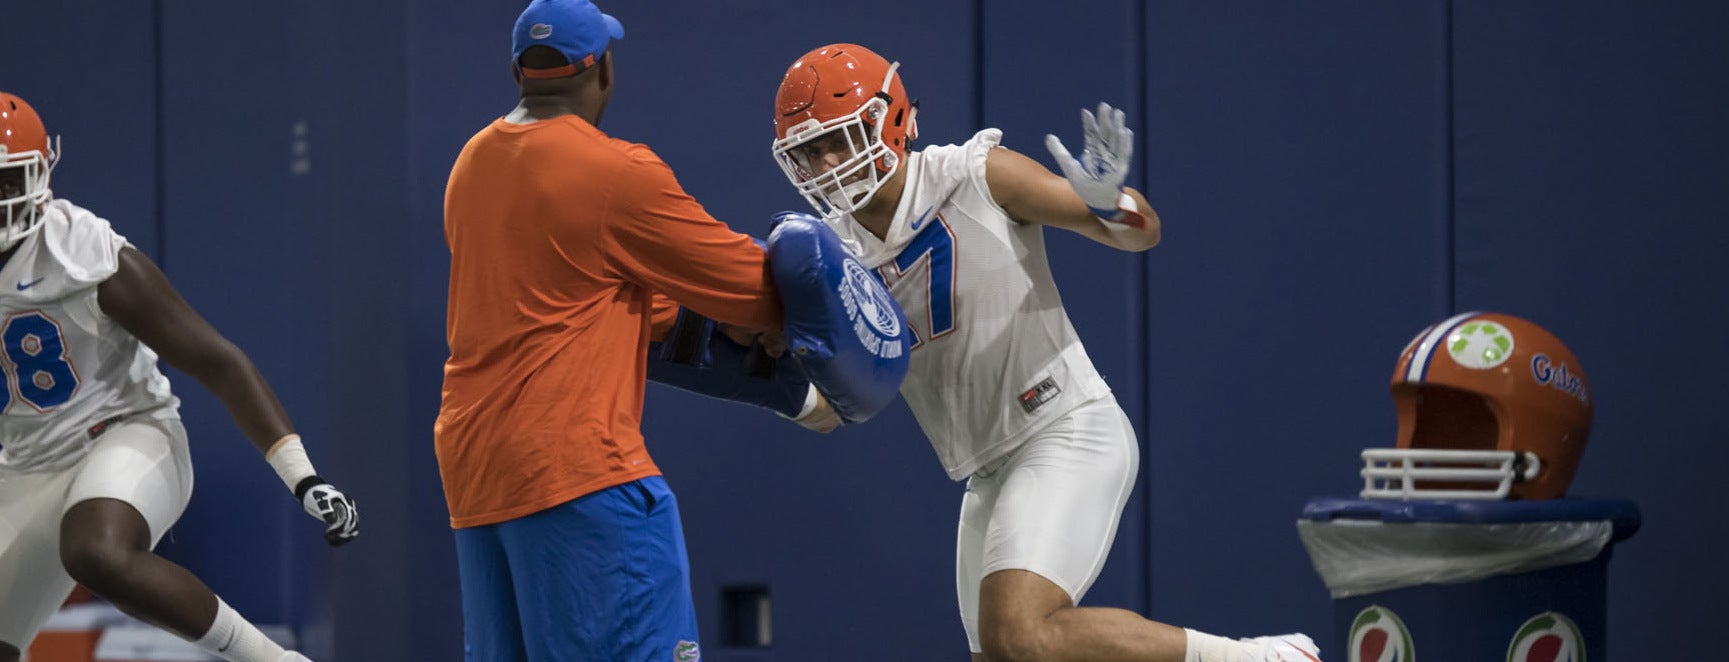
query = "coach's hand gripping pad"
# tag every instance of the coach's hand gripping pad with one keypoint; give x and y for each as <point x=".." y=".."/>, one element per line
<point x="841" y="323"/>
<point x="697" y="357"/>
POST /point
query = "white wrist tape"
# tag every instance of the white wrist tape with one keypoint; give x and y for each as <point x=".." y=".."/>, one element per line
<point x="811" y="397"/>
<point x="1128" y="215"/>
<point x="289" y="460"/>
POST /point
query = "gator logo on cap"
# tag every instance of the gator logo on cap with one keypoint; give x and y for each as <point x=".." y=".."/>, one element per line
<point x="540" y="31"/>
<point x="1377" y="635"/>
<point x="1547" y="637"/>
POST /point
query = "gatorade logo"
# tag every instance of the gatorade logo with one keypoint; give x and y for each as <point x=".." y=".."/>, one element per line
<point x="1547" y="637"/>
<point x="1480" y="345"/>
<point x="871" y="310"/>
<point x="1377" y="635"/>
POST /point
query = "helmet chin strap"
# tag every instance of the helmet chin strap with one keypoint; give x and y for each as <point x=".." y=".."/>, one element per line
<point x="24" y="216"/>
<point x="10" y="239"/>
<point x="844" y="196"/>
<point x="19" y="224"/>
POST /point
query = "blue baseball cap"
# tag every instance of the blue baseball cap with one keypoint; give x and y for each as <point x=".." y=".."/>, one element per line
<point x="576" y="28"/>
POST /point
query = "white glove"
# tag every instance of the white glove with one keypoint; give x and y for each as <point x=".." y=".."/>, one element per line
<point x="323" y="501"/>
<point x="1098" y="175"/>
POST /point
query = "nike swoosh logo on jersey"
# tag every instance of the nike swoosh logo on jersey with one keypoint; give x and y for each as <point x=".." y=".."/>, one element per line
<point x="25" y="286"/>
<point x="923" y="217"/>
<point x="229" y="643"/>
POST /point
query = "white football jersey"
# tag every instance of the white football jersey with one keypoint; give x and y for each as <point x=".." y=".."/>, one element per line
<point x="69" y="370"/>
<point x="995" y="357"/>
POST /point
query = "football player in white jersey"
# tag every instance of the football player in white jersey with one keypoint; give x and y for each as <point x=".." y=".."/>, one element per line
<point x="999" y="380"/>
<point x="94" y="465"/>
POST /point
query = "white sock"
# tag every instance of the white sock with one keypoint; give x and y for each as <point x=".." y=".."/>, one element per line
<point x="234" y="639"/>
<point x="1203" y="647"/>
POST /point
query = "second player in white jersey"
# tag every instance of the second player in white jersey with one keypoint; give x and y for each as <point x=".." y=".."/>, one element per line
<point x="996" y="358"/>
<point x="70" y="370"/>
<point x="94" y="464"/>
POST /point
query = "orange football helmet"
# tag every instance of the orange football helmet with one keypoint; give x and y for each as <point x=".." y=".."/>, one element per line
<point x="25" y="149"/>
<point x="842" y="88"/>
<point x="1490" y="406"/>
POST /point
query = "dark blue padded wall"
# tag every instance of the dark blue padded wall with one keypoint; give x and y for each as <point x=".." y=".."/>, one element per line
<point x="237" y="219"/>
<point x="1298" y="155"/>
<point x="1102" y="288"/>
<point x="358" y="105"/>
<point x="100" y="97"/>
<point x="1591" y="144"/>
<point x="284" y="182"/>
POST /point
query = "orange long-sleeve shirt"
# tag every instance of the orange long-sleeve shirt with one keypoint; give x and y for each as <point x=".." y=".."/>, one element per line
<point x="565" y="246"/>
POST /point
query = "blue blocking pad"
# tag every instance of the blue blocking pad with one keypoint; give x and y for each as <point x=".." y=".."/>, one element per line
<point x="842" y="325"/>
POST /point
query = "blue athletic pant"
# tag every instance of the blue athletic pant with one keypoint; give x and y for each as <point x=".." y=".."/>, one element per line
<point x="602" y="578"/>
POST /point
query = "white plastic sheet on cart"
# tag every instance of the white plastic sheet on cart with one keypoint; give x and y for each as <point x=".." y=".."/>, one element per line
<point x="1357" y="557"/>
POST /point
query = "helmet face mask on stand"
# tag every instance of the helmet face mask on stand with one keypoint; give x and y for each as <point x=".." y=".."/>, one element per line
<point x="1490" y="406"/>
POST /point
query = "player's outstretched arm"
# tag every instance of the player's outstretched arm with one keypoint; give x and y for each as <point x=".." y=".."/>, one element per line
<point x="1089" y="197"/>
<point x="140" y="298"/>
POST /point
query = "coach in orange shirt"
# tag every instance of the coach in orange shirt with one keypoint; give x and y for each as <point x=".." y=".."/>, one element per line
<point x="566" y="245"/>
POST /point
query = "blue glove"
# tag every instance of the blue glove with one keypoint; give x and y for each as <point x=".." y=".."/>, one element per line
<point x="842" y="326"/>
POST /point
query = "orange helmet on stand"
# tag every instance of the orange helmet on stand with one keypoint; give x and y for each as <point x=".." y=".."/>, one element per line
<point x="25" y="149"/>
<point x="1490" y="406"/>
<point x="849" y="89"/>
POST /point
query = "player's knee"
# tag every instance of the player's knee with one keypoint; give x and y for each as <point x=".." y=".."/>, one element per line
<point x="1012" y="641"/>
<point x="95" y="565"/>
